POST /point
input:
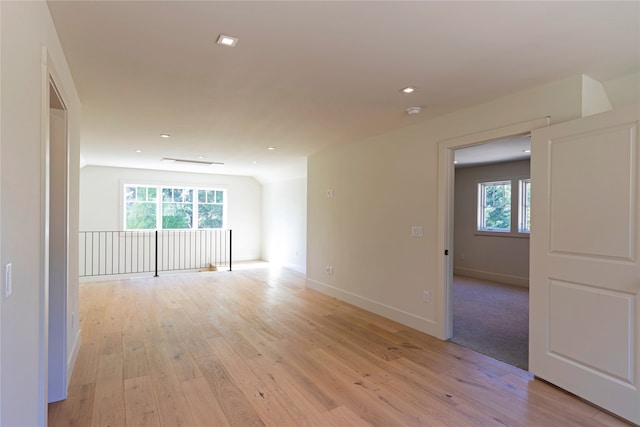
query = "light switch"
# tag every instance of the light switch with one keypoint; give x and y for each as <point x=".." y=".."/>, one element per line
<point x="7" y="281"/>
<point x="417" y="231"/>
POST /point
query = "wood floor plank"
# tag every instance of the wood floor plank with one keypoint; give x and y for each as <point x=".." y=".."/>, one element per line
<point x="172" y="405"/>
<point x="256" y="347"/>
<point x="76" y="410"/>
<point x="236" y="407"/>
<point x="140" y="405"/>
<point x="109" y="407"/>
<point x="135" y="362"/>
<point x="267" y="405"/>
<point x="205" y="409"/>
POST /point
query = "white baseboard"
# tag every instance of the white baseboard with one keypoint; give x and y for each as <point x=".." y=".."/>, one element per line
<point x="494" y="277"/>
<point x="422" y="324"/>
<point x="71" y="362"/>
<point x="302" y="269"/>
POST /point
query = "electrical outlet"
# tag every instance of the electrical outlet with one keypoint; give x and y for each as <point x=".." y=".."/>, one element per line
<point x="426" y="296"/>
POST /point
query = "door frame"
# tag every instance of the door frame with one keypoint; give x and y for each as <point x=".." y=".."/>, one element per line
<point x="50" y="77"/>
<point x="446" y="181"/>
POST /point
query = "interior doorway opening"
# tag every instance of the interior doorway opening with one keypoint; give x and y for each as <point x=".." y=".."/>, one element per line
<point x="447" y="151"/>
<point x="491" y="226"/>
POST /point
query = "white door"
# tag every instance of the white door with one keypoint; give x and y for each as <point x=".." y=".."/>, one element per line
<point x="585" y="259"/>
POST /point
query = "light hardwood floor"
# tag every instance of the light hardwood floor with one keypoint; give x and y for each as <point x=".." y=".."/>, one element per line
<point x="255" y="347"/>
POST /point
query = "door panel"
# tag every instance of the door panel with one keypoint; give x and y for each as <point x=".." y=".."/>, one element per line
<point x="585" y="274"/>
<point x="594" y="168"/>
<point x="592" y="351"/>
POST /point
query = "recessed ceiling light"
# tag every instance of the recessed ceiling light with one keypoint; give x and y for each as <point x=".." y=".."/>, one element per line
<point x="138" y="151"/>
<point x="526" y="151"/>
<point x="165" y="135"/>
<point x="271" y="148"/>
<point x="409" y="89"/>
<point x="414" y="110"/>
<point x="201" y="157"/>
<point x="254" y="162"/>
<point x="227" y="40"/>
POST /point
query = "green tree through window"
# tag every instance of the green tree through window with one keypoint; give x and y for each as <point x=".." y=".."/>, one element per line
<point x="177" y="208"/>
<point x="210" y="208"/>
<point x="141" y="207"/>
<point x="495" y="206"/>
<point x="150" y="207"/>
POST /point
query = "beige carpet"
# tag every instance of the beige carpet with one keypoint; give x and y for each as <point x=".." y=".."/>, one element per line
<point x="492" y="319"/>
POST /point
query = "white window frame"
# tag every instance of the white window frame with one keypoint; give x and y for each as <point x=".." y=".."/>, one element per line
<point x="481" y="206"/>
<point x="159" y="202"/>
<point x="516" y="229"/>
<point x="524" y="187"/>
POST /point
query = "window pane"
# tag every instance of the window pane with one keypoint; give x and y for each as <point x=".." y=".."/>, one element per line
<point x="219" y="197"/>
<point x="130" y="193"/>
<point x="140" y="208"/>
<point x="177" y="215"/>
<point x="141" y="216"/>
<point x="142" y="194"/>
<point x="494" y="208"/>
<point x="166" y="195"/>
<point x="202" y="196"/>
<point x="210" y="216"/>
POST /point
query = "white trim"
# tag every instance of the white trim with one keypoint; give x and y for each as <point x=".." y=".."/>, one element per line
<point x="444" y="315"/>
<point x="73" y="356"/>
<point x="422" y="324"/>
<point x="43" y="351"/>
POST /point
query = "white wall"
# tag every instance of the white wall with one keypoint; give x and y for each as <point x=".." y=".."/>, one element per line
<point x="101" y="201"/>
<point x="284" y="216"/>
<point x="624" y="90"/>
<point x="25" y="28"/>
<point x="386" y="184"/>
<point x="497" y="257"/>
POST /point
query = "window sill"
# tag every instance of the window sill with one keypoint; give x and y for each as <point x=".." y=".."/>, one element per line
<point x="509" y="234"/>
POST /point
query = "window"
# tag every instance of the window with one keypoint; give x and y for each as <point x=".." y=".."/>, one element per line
<point x="494" y="208"/>
<point x="210" y="208"/>
<point x="177" y="208"/>
<point x="495" y="202"/>
<point x="153" y="207"/>
<point x="140" y="207"/>
<point x="525" y="206"/>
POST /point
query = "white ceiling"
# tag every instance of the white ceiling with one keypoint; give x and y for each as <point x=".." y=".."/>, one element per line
<point x="499" y="150"/>
<point x="306" y="76"/>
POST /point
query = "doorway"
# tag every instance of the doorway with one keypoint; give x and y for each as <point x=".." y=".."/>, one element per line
<point x="58" y="245"/>
<point x="446" y="181"/>
<point x="491" y="249"/>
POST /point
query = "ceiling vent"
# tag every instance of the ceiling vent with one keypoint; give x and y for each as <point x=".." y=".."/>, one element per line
<point x="193" y="162"/>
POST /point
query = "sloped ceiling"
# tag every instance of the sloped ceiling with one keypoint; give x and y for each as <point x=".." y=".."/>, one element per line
<point x="306" y="76"/>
